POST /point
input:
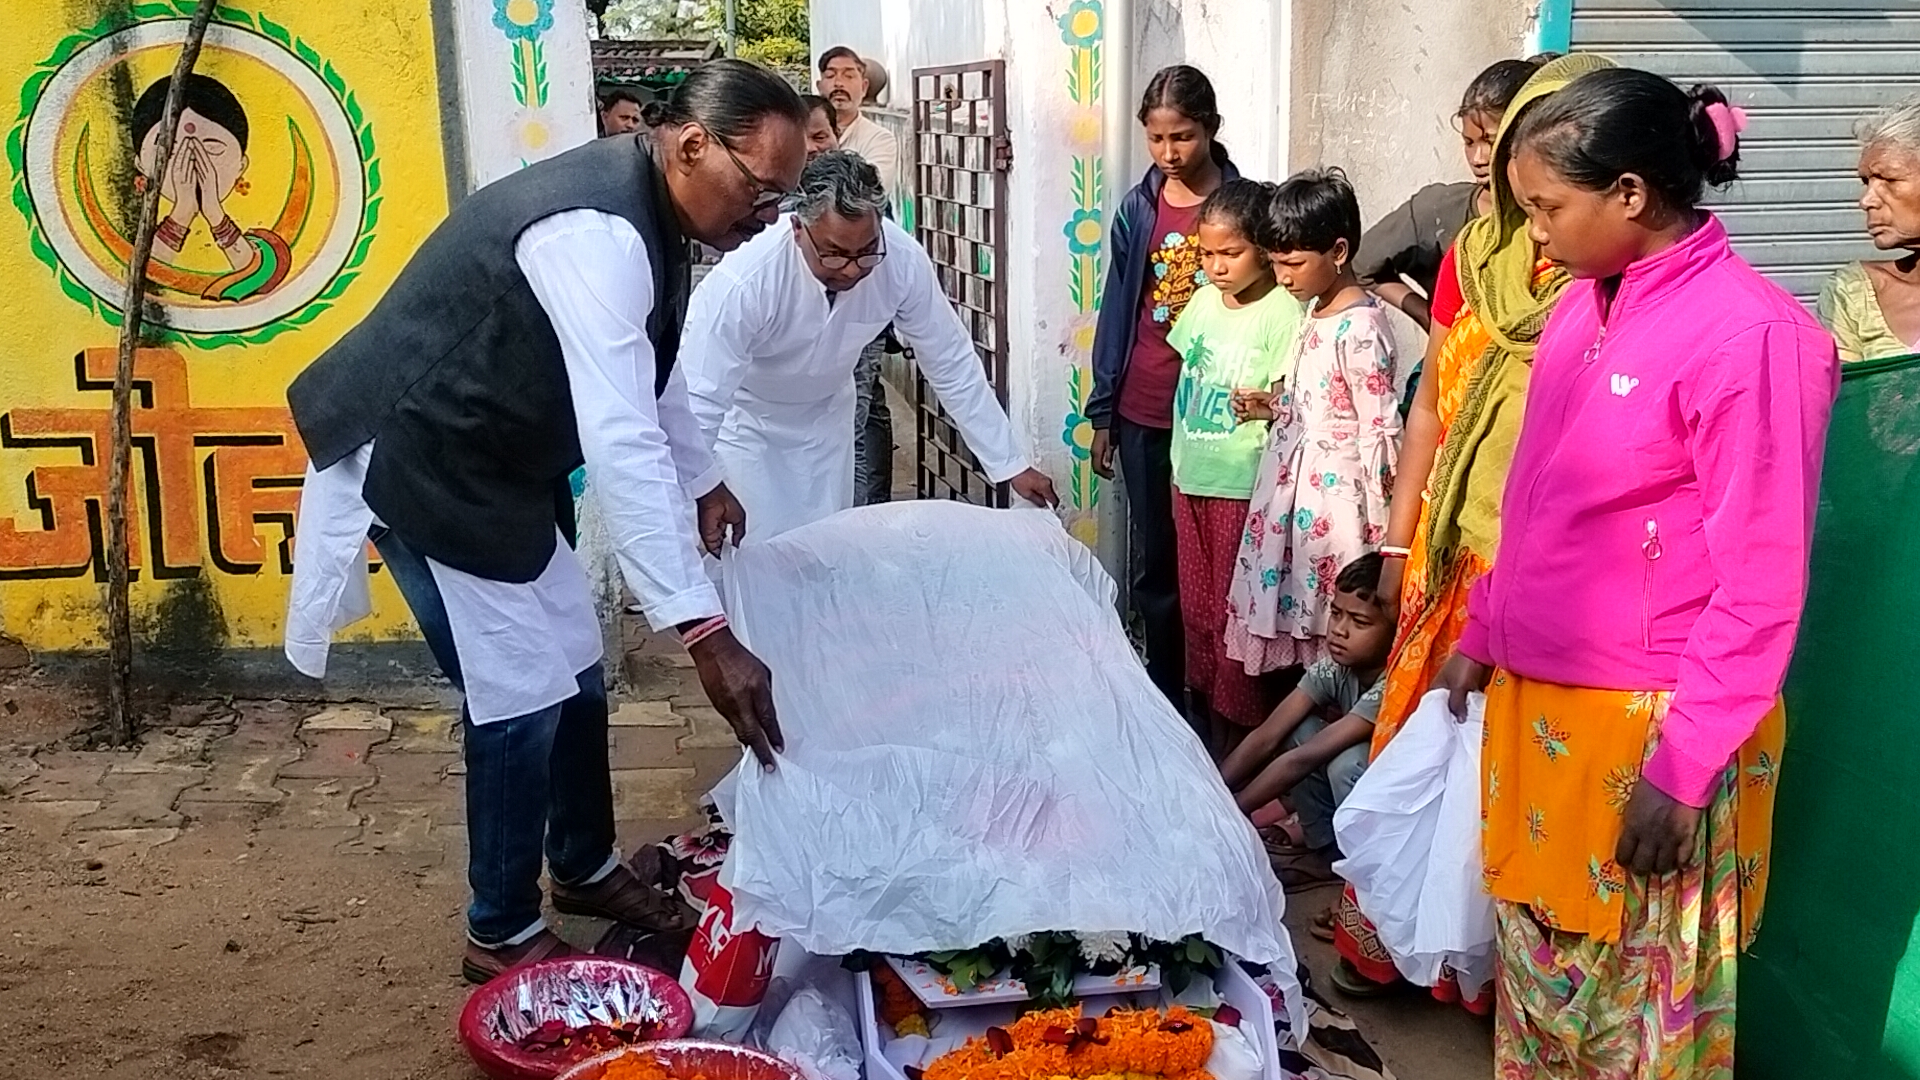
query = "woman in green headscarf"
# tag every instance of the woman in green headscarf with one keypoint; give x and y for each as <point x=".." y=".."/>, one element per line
<point x="1446" y="520"/>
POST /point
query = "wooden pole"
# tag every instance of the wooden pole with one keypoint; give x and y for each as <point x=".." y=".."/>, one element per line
<point x="119" y="609"/>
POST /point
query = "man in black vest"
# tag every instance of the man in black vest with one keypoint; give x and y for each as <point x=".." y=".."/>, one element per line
<point x="534" y="331"/>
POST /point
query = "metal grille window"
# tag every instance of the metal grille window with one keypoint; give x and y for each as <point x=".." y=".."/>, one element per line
<point x="1805" y="70"/>
<point x="960" y="194"/>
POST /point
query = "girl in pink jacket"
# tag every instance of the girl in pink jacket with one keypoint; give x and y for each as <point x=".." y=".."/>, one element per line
<point x="1634" y="632"/>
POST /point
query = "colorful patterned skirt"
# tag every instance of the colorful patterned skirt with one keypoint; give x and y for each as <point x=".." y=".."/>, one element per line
<point x="1207" y="534"/>
<point x="1605" y="975"/>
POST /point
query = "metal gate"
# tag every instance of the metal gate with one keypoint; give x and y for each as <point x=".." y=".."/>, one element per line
<point x="1805" y="70"/>
<point x="960" y="154"/>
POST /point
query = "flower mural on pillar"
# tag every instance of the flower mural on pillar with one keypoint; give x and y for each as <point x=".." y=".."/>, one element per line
<point x="1082" y="25"/>
<point x="1084" y="233"/>
<point x="523" y="19"/>
<point x="1082" y="30"/>
<point x="523" y="22"/>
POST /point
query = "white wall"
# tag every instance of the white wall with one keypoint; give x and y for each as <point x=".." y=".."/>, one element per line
<point x="1241" y="46"/>
<point x="1375" y="86"/>
<point x="907" y="34"/>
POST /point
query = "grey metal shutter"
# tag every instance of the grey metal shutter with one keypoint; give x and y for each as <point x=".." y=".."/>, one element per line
<point x="1805" y="70"/>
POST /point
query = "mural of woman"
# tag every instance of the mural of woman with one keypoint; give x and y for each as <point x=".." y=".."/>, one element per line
<point x="208" y="166"/>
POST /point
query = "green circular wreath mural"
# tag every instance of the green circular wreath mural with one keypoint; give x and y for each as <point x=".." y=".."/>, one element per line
<point x="269" y="131"/>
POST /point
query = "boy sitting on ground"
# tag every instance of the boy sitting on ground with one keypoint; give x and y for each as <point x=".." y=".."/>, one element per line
<point x="1312" y="749"/>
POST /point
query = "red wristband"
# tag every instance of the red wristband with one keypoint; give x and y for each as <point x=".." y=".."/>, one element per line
<point x="703" y="631"/>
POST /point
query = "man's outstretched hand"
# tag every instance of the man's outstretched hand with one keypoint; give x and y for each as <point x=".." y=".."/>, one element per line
<point x="741" y="689"/>
<point x="1034" y="486"/>
<point x="721" y="517"/>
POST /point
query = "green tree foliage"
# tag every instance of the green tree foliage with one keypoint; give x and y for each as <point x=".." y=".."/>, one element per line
<point x="772" y="32"/>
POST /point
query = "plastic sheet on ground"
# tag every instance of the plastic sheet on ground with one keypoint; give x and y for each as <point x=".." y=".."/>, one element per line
<point x="1410" y="831"/>
<point x="973" y="750"/>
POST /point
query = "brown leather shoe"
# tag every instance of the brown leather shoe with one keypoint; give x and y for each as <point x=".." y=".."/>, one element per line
<point x="624" y="898"/>
<point x="482" y="964"/>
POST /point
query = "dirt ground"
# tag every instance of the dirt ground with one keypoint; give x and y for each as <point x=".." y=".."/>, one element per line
<point x="272" y="888"/>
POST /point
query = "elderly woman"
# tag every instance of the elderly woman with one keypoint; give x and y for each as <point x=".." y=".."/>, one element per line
<point x="1873" y="308"/>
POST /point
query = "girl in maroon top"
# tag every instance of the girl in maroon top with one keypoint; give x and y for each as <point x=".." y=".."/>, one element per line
<point x="1153" y="270"/>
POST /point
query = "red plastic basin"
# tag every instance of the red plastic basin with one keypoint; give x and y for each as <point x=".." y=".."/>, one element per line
<point x="576" y="990"/>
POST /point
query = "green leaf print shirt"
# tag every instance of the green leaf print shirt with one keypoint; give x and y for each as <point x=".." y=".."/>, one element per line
<point x="1225" y="349"/>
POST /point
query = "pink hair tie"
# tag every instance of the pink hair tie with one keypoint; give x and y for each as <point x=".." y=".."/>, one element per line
<point x="1728" y="122"/>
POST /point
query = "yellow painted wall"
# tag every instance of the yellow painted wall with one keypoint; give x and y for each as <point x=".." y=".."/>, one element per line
<point x="287" y="244"/>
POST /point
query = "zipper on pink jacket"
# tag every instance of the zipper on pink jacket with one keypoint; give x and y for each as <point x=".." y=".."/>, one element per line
<point x="1593" y="350"/>
<point x="1651" y="550"/>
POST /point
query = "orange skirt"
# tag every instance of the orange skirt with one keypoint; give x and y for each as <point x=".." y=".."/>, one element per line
<point x="1559" y="765"/>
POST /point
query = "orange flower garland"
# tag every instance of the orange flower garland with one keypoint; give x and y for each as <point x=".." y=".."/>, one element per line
<point x="896" y="1003"/>
<point x="638" y="1067"/>
<point x="1057" y="1044"/>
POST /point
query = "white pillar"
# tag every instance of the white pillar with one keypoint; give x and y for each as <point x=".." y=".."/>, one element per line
<point x="526" y="87"/>
<point x="1059" y="198"/>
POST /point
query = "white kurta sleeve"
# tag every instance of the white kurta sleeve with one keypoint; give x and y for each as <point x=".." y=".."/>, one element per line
<point x="692" y="450"/>
<point x="716" y="349"/>
<point x="943" y="350"/>
<point x="590" y="272"/>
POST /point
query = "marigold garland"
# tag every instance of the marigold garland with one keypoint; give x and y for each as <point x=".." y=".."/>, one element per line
<point x="1057" y="1044"/>
<point x="640" y="1065"/>
<point x="897" y="1004"/>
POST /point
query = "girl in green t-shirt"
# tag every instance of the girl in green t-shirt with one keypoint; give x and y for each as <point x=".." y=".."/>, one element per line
<point x="1233" y="336"/>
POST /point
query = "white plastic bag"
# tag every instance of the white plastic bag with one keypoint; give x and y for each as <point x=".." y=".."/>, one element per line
<point x="1234" y="1056"/>
<point x="1410" y="831"/>
<point x="815" y="1036"/>
<point x="973" y="749"/>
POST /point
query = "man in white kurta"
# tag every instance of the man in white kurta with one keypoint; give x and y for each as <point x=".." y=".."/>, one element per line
<point x="773" y="334"/>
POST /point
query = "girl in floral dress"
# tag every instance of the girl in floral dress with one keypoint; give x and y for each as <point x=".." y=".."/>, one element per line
<point x="1320" y="500"/>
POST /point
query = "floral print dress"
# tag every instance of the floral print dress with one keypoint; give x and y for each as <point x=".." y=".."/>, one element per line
<point x="1320" y="501"/>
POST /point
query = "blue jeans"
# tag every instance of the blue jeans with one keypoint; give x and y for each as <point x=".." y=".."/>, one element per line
<point x="534" y="782"/>
<point x="1146" y="468"/>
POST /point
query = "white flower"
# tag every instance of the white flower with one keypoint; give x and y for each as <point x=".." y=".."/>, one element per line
<point x="1105" y="948"/>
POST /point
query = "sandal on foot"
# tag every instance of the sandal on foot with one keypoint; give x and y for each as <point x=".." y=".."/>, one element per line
<point x="1322" y="926"/>
<point x="1350" y="982"/>
<point x="622" y="897"/>
<point x="1281" y="844"/>
<point x="482" y="964"/>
